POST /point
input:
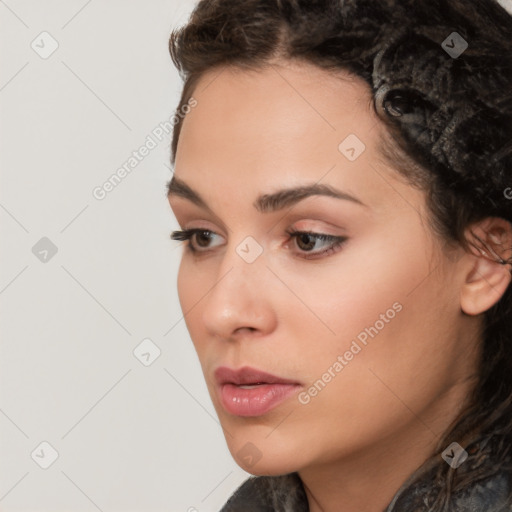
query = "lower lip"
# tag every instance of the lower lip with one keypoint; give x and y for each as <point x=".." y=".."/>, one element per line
<point x="255" y="401"/>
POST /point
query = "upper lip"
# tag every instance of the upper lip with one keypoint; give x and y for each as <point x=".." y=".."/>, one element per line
<point x="247" y="375"/>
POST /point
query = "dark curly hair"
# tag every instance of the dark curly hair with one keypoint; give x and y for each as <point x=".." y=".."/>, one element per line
<point x="449" y="133"/>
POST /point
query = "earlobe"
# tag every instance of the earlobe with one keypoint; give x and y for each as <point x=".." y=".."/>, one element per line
<point x="490" y="273"/>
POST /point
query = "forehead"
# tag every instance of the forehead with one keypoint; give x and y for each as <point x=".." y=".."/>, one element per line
<point x="286" y="101"/>
<point x="283" y="125"/>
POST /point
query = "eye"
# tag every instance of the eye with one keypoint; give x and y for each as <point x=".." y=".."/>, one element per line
<point x="198" y="241"/>
<point x="201" y="237"/>
<point x="306" y="241"/>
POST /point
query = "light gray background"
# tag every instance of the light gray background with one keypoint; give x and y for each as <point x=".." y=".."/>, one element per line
<point x="129" y="437"/>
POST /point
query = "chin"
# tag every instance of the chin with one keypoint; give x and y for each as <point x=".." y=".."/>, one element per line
<point x="264" y="458"/>
<point x="270" y="468"/>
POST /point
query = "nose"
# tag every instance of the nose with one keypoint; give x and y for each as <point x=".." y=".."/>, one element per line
<point x="240" y="300"/>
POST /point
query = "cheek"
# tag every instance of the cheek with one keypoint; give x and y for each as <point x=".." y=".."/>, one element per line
<point x="191" y="289"/>
<point x="362" y="291"/>
<point x="372" y="311"/>
<point x="393" y="331"/>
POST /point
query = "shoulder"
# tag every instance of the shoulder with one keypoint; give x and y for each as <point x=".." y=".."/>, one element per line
<point x="284" y="493"/>
<point x="482" y="482"/>
<point x="491" y="494"/>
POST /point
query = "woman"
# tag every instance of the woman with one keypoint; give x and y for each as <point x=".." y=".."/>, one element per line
<point x="343" y="183"/>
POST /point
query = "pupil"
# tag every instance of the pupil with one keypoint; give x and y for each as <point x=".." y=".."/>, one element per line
<point x="203" y="236"/>
<point x="308" y="241"/>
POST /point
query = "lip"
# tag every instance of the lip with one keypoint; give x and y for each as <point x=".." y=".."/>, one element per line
<point x="247" y="375"/>
<point x="268" y="392"/>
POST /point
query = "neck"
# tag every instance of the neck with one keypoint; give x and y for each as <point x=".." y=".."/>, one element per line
<point x="367" y="480"/>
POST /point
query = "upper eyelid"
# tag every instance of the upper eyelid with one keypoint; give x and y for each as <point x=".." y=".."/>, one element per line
<point x="186" y="202"/>
<point x="291" y="231"/>
<point x="215" y="219"/>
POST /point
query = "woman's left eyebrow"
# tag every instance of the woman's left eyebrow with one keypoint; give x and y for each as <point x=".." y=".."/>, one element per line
<point x="266" y="202"/>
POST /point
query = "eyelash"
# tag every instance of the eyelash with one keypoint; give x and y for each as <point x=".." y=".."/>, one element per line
<point x="338" y="241"/>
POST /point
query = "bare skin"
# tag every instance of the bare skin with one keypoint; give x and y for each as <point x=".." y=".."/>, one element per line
<point x="374" y="422"/>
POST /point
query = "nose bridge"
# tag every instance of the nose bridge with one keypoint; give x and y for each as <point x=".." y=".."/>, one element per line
<point x="239" y="297"/>
<point x="243" y="266"/>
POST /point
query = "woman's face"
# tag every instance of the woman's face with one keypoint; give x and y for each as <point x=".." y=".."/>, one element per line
<point x="368" y="333"/>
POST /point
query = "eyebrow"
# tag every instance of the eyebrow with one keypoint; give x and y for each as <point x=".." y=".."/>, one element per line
<point x="266" y="202"/>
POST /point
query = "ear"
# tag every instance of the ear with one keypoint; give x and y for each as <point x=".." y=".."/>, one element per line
<point x="489" y="271"/>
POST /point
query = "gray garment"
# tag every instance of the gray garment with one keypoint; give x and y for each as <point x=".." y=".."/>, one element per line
<point x="489" y="493"/>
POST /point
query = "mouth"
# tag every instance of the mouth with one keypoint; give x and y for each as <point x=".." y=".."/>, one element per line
<point x="251" y="392"/>
<point x="247" y="376"/>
